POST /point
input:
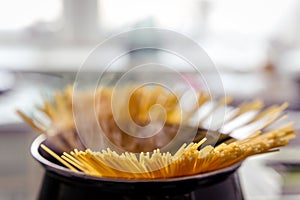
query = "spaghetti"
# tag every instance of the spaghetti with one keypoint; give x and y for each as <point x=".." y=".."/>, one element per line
<point x="142" y="157"/>
<point x="188" y="160"/>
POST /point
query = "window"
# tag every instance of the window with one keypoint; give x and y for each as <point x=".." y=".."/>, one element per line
<point x="227" y="27"/>
<point x="17" y="15"/>
<point x="259" y="18"/>
<point x="171" y="14"/>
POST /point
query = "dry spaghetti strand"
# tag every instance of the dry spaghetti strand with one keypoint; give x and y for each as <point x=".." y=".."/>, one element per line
<point x="187" y="160"/>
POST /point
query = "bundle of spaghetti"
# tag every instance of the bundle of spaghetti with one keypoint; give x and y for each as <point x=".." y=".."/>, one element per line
<point x="58" y="122"/>
<point x="58" y="115"/>
<point x="188" y="160"/>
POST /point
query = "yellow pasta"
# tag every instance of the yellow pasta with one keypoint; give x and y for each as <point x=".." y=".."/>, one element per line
<point x="143" y="157"/>
<point x="188" y="160"/>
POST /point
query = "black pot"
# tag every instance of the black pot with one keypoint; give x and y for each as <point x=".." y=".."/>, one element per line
<point x="61" y="183"/>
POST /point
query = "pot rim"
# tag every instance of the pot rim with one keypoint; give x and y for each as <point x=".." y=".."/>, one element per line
<point x="34" y="149"/>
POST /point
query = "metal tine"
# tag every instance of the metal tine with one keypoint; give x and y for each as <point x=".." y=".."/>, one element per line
<point x="244" y="108"/>
<point x="270" y="111"/>
<point x="238" y="122"/>
<point x="202" y="99"/>
<point x="223" y="101"/>
<point x="235" y="113"/>
<point x="257" y="125"/>
<point x="241" y="110"/>
<point x="186" y="116"/>
<point x="276" y="119"/>
<point x="259" y="121"/>
<point x="285" y="119"/>
<point x="244" y="131"/>
<point x="216" y="120"/>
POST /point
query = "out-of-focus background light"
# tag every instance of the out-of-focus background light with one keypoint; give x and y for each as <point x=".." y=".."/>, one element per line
<point x="238" y="35"/>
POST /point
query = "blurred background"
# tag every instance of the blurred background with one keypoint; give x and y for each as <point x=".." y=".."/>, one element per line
<point x="254" y="44"/>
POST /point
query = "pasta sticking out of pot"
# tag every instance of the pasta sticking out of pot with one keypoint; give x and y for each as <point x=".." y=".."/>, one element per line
<point x="121" y="148"/>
